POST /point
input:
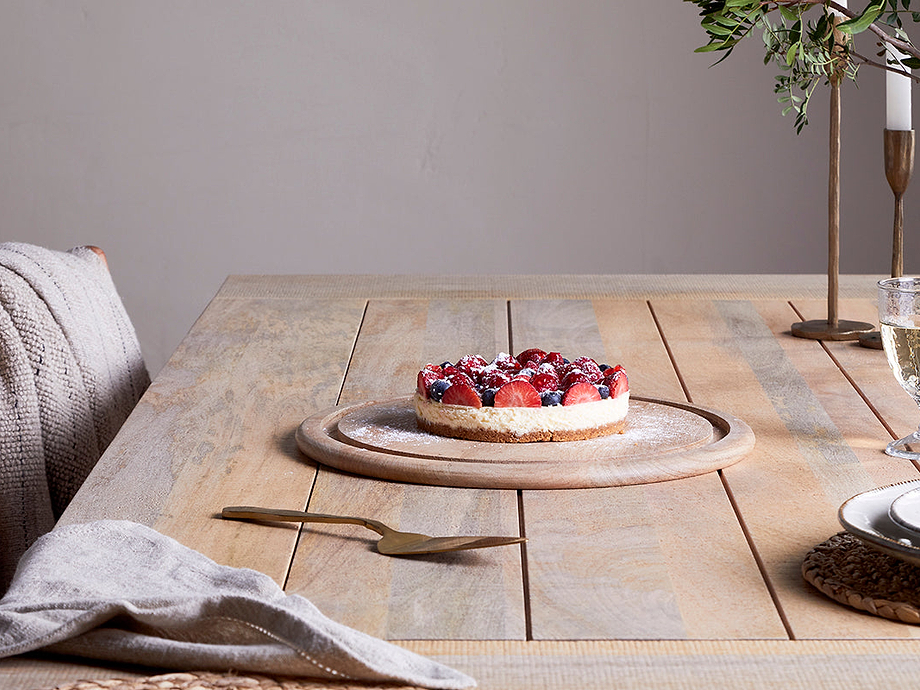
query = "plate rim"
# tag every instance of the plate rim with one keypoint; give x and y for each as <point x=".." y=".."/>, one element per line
<point x="899" y="520"/>
<point x="878" y="539"/>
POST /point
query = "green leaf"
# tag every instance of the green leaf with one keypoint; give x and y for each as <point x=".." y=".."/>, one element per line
<point x="911" y="62"/>
<point x="716" y="30"/>
<point x="723" y="20"/>
<point x="792" y="52"/>
<point x="861" y="23"/>
<point x="712" y="47"/>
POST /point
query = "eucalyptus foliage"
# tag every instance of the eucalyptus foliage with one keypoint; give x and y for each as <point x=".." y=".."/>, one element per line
<point x="808" y="42"/>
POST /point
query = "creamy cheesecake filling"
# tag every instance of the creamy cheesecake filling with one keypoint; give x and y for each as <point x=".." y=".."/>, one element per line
<point x="524" y="420"/>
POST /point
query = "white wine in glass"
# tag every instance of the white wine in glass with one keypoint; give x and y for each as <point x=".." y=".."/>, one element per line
<point x="899" y="316"/>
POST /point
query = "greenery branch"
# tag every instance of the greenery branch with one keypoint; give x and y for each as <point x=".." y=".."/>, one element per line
<point x="811" y="41"/>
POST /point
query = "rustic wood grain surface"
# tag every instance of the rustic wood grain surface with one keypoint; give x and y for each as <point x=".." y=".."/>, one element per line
<point x="688" y="583"/>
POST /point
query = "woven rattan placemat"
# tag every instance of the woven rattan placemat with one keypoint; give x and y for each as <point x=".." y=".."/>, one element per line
<point x="218" y="681"/>
<point x="852" y="573"/>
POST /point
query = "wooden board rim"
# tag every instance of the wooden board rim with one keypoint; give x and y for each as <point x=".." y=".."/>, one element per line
<point x="317" y="438"/>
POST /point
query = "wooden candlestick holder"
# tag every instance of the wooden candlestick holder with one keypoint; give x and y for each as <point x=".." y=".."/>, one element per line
<point x="899" y="166"/>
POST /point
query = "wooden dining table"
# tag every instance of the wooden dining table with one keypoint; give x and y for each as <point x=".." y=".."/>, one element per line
<point x="694" y="582"/>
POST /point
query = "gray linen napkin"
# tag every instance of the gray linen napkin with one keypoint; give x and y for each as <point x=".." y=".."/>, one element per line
<point x="120" y="591"/>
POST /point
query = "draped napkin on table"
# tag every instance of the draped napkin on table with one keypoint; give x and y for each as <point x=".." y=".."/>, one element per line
<point x="120" y="591"/>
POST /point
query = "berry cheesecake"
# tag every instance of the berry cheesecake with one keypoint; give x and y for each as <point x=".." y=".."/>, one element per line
<point x="536" y="396"/>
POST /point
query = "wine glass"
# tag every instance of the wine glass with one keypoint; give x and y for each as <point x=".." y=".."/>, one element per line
<point x="899" y="314"/>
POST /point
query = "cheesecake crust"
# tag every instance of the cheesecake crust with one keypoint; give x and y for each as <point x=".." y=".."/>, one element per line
<point x="493" y="436"/>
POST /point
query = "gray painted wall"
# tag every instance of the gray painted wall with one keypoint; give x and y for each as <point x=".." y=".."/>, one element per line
<point x="193" y="139"/>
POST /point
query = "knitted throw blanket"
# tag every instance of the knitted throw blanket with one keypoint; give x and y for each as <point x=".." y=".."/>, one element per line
<point x="71" y="371"/>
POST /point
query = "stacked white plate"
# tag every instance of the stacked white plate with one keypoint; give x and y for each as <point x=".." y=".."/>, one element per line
<point x="887" y="518"/>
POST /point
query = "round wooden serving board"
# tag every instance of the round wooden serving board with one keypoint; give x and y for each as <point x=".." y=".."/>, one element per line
<point x="663" y="440"/>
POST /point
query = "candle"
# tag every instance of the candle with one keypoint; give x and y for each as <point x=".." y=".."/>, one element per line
<point x="897" y="95"/>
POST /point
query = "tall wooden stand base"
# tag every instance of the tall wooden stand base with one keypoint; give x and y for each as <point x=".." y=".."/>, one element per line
<point x="833" y="328"/>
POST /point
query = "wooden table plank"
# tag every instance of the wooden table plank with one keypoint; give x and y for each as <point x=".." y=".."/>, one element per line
<point x="844" y="452"/>
<point x="789" y="488"/>
<point x="470" y="595"/>
<point x="635" y="561"/>
<point x="869" y="370"/>
<point x="216" y="428"/>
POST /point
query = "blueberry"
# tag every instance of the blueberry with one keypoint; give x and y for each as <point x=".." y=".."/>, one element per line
<point x="604" y="391"/>
<point x="603" y="367"/>
<point x="550" y="398"/>
<point x="488" y="397"/>
<point x="444" y="365"/>
<point x="437" y="389"/>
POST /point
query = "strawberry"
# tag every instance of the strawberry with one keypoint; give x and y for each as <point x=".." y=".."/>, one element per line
<point x="545" y="381"/>
<point x="436" y="368"/>
<point x="610" y="371"/>
<point x="461" y="394"/>
<point x="517" y="394"/>
<point x="581" y="393"/>
<point x="617" y="381"/>
<point x="534" y="353"/>
<point x="424" y="380"/>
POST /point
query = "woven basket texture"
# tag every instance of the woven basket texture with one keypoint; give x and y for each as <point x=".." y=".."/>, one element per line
<point x="856" y="575"/>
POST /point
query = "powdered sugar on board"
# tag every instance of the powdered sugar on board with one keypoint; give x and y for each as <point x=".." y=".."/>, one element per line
<point x="666" y="440"/>
<point x="651" y="428"/>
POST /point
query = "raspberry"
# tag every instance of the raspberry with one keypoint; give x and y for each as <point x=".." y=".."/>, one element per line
<point x="494" y="378"/>
<point x="545" y="382"/>
<point x="590" y="368"/>
<point x="460" y="377"/>
<point x="471" y="365"/>
<point x="506" y="362"/>
<point x="554" y="358"/>
<point x="573" y="377"/>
